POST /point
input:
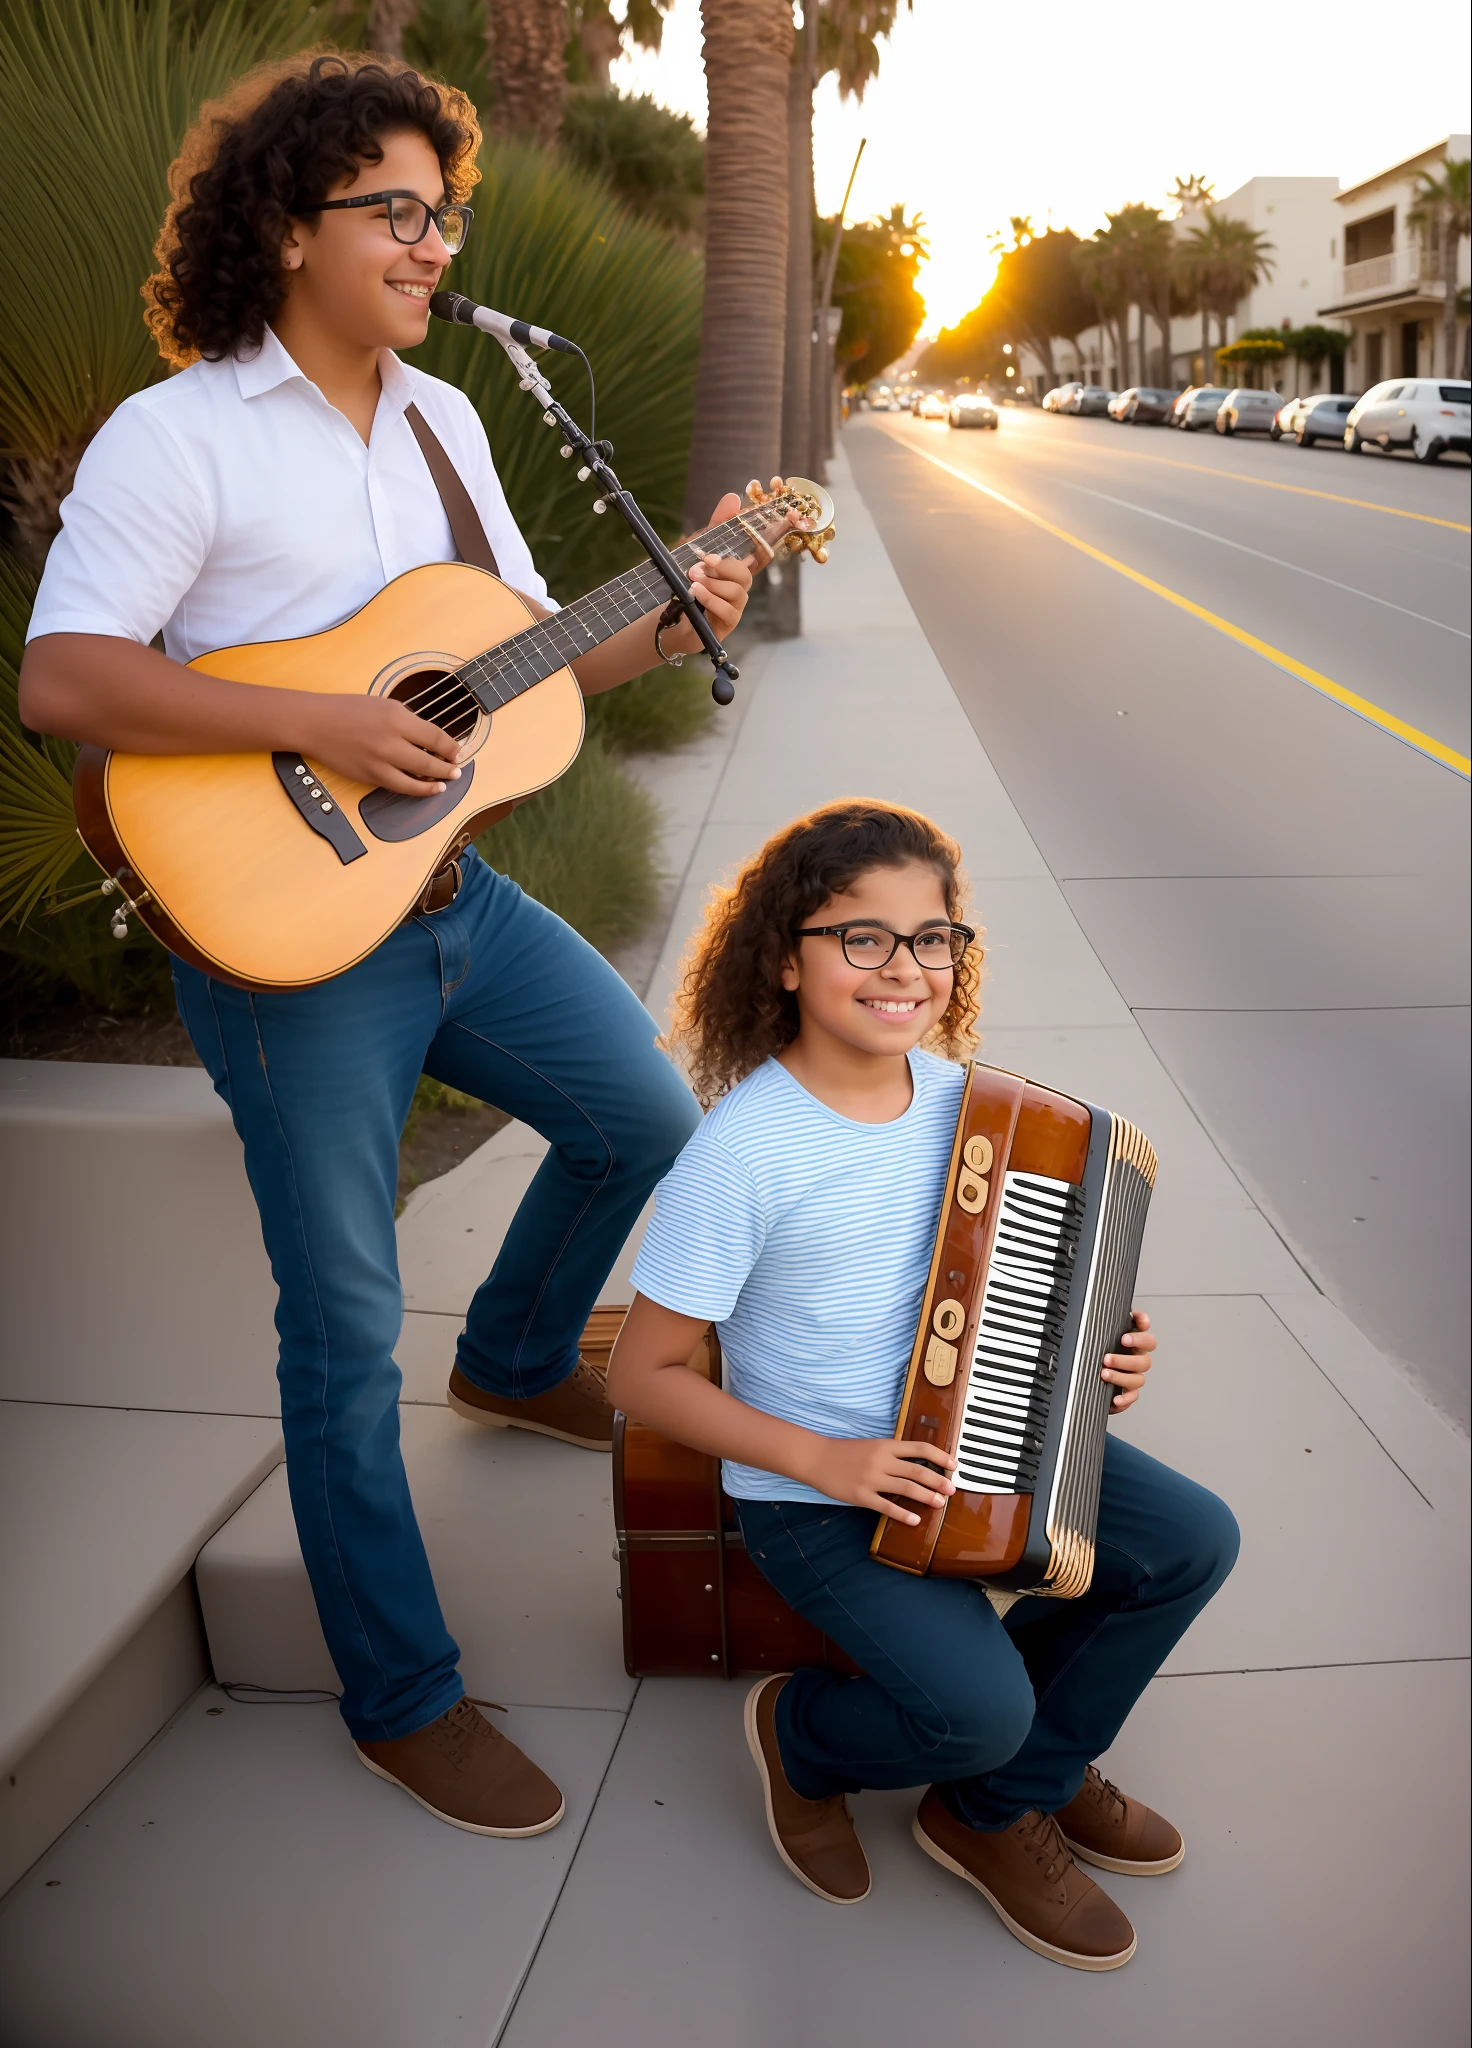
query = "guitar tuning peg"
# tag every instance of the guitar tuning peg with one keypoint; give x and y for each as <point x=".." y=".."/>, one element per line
<point x="820" y="554"/>
<point x="777" y="486"/>
<point x="755" y="495"/>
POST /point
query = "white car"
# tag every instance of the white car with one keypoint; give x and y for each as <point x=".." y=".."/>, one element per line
<point x="1425" y="414"/>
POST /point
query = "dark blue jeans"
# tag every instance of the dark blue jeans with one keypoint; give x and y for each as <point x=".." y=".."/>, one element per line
<point x="496" y="996"/>
<point x="1002" y="1716"/>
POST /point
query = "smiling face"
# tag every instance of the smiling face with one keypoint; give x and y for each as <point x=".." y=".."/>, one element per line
<point x="348" y="276"/>
<point x="879" y="1011"/>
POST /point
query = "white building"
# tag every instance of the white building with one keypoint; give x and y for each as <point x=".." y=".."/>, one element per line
<point x="1386" y="286"/>
<point x="1299" y="218"/>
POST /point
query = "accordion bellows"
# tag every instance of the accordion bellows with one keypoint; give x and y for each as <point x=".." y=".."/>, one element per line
<point x="1031" y="1285"/>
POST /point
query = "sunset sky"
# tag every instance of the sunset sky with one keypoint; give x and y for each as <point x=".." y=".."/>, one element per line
<point x="973" y="119"/>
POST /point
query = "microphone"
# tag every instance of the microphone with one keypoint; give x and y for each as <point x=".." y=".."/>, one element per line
<point x="463" y="312"/>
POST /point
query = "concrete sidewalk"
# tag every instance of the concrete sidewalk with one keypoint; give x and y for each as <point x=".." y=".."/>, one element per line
<point x="245" y="1881"/>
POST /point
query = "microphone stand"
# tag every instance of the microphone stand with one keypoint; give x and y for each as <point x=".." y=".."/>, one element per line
<point x="595" y="464"/>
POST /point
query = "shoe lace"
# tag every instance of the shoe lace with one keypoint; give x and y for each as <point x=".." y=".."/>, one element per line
<point x="461" y="1732"/>
<point x="1043" y="1841"/>
<point x="1105" y="1793"/>
<point x="588" y="1380"/>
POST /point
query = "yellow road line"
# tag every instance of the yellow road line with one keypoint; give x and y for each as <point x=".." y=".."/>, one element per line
<point x="1299" y="490"/>
<point x="1361" y="706"/>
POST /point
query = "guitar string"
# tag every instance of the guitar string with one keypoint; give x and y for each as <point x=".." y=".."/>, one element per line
<point x="631" y="588"/>
<point x="626" y="598"/>
<point x="520" y="655"/>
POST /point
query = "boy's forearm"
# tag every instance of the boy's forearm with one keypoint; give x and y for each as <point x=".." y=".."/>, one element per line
<point x="116" y="693"/>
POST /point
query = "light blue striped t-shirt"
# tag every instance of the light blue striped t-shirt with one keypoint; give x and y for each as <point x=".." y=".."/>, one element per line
<point x="806" y="1238"/>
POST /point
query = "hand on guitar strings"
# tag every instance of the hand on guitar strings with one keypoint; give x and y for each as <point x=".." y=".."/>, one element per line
<point x="380" y="741"/>
<point x="869" y="1472"/>
<point x="1126" y="1370"/>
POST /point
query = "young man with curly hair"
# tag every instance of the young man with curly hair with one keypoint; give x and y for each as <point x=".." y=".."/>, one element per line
<point x="267" y="491"/>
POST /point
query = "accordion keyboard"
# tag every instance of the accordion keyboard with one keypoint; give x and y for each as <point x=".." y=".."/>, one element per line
<point x="1015" y="1363"/>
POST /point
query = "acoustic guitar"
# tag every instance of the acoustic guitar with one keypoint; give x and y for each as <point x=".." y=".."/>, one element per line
<point x="271" y="872"/>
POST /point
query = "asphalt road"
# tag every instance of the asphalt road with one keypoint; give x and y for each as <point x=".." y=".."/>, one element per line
<point x="1232" y="715"/>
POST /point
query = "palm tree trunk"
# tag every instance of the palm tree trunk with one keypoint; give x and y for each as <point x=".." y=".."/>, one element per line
<point x="738" y="384"/>
<point x="1451" y="246"/>
<point x="797" y="362"/>
<point x="526" y="39"/>
<point x="387" y="20"/>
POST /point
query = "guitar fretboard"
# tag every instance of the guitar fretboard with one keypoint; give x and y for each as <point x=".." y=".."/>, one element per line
<point x="505" y="671"/>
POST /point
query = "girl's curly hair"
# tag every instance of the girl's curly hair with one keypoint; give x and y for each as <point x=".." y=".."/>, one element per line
<point x="731" y="1011"/>
<point x="270" y="149"/>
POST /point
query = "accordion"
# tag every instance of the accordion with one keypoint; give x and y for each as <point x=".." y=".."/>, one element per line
<point x="1031" y="1285"/>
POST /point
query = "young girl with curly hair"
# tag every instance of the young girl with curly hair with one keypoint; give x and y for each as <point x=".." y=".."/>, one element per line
<point x="268" y="489"/>
<point x="825" y="1010"/>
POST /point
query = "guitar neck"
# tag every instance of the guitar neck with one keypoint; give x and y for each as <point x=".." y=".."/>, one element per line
<point x="515" y="665"/>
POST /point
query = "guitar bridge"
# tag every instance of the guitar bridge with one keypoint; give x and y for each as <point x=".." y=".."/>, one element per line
<point x="318" y="806"/>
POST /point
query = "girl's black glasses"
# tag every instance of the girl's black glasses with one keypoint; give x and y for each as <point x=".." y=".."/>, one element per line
<point x="875" y="945"/>
<point x="409" y="217"/>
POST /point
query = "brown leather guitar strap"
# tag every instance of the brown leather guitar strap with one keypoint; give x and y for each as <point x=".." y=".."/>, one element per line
<point x="465" y="527"/>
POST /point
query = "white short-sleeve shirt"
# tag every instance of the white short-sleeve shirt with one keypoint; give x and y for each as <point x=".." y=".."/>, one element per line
<point x="233" y="503"/>
<point x="806" y="1239"/>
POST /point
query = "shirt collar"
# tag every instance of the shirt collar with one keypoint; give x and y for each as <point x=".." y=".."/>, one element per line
<point x="270" y="366"/>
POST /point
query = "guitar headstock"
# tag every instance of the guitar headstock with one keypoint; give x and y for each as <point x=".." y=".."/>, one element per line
<point x="766" y="510"/>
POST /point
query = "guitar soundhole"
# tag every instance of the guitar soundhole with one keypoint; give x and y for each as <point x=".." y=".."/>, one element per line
<point x="437" y="696"/>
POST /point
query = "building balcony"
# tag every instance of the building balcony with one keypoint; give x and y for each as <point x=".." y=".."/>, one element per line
<point x="1403" y="270"/>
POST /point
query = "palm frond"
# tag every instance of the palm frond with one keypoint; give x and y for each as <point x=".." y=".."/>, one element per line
<point x="95" y="96"/>
<point x="38" y="834"/>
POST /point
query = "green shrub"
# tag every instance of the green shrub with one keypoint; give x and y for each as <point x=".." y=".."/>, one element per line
<point x="652" y="158"/>
<point x="552" y="244"/>
<point x="585" y="847"/>
<point x="655" y="712"/>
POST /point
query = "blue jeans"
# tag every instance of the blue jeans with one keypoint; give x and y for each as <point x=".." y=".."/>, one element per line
<point x="1002" y="1716"/>
<point x="496" y="996"/>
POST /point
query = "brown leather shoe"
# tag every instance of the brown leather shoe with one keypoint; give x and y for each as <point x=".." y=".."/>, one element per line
<point x="1026" y="1874"/>
<point x="576" y="1411"/>
<point x="814" y="1837"/>
<point x="463" y="1771"/>
<point x="1108" y="1828"/>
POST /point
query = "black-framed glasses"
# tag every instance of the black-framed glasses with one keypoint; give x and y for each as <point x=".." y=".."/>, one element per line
<point x="875" y="945"/>
<point x="409" y="217"/>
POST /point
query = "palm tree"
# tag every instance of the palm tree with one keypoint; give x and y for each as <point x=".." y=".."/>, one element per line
<point x="738" y="386"/>
<point x="526" y="40"/>
<point x="1191" y="192"/>
<point x="1226" y="258"/>
<point x="600" y="35"/>
<point x="1441" y="213"/>
<point x="1104" y="266"/>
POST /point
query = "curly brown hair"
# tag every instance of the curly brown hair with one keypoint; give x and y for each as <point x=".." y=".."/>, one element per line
<point x="271" y="149"/>
<point x="731" y="1011"/>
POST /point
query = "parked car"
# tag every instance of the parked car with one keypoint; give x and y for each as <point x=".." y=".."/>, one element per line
<point x="1319" y="416"/>
<point x="1058" y="397"/>
<point x="931" y="407"/>
<point x="972" y="409"/>
<point x="1419" y="413"/>
<point x="1183" y="400"/>
<point x="1143" y="406"/>
<point x="1118" y="403"/>
<point x="1198" y="408"/>
<point x="1248" y="412"/>
<point x="1089" y="398"/>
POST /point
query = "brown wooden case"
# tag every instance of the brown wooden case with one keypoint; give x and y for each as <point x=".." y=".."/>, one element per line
<point x="694" y="1604"/>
